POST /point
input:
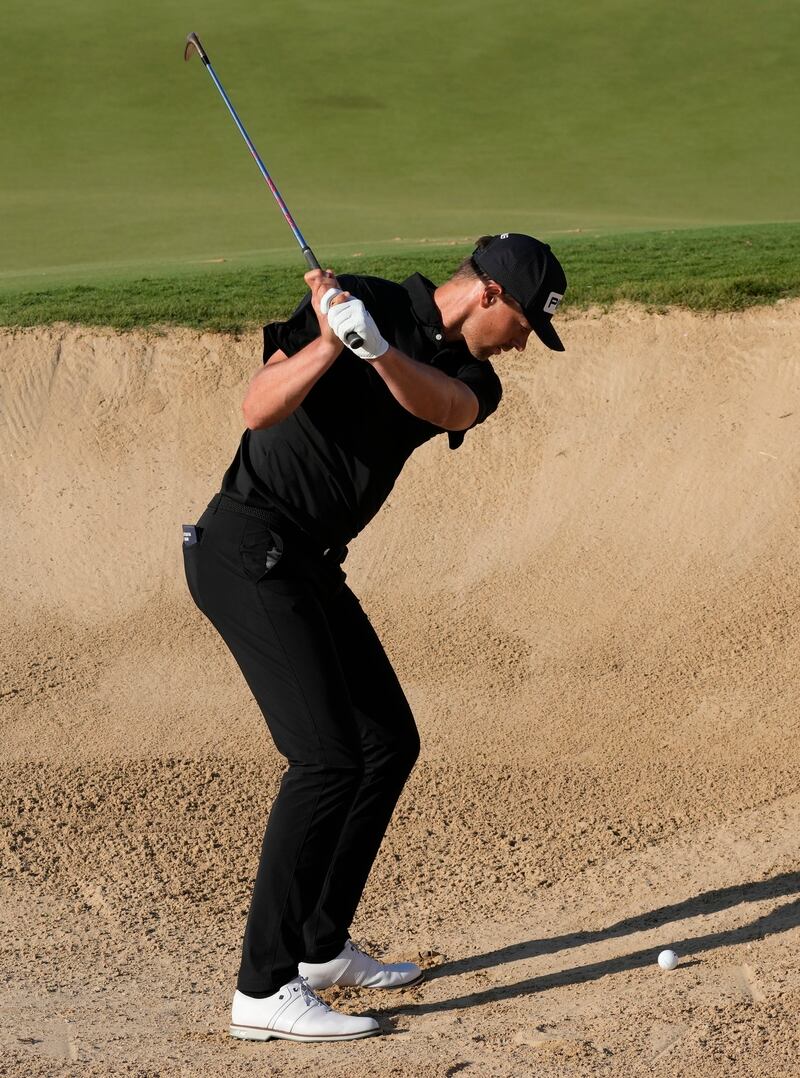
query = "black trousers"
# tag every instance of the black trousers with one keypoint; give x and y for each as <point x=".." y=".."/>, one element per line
<point x="335" y="710"/>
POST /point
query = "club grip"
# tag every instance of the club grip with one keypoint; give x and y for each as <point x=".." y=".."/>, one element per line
<point x="352" y="339"/>
<point x="310" y="258"/>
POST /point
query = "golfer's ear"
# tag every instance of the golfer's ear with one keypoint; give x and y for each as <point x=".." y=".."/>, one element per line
<point x="491" y="292"/>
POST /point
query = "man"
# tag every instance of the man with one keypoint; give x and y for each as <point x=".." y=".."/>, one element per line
<point x="328" y="431"/>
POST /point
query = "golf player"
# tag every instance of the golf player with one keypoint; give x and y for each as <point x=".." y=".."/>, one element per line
<point x="329" y="429"/>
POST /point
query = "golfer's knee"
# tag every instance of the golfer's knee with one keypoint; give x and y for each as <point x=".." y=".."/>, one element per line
<point x="395" y="758"/>
<point x="411" y="751"/>
<point x="338" y="771"/>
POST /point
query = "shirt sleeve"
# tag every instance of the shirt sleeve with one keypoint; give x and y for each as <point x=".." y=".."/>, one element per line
<point x="481" y="378"/>
<point x="299" y="329"/>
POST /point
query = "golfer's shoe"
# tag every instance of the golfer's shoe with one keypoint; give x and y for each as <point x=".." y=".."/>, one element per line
<point x="295" y="1013"/>
<point x="354" y="969"/>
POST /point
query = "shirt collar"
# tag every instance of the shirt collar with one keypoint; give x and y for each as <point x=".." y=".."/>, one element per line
<point x="421" y="290"/>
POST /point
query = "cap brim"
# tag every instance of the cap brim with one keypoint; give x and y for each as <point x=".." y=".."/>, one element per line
<point x="547" y="335"/>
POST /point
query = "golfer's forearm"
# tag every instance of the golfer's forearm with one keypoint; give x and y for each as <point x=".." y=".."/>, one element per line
<point x="426" y="392"/>
<point x="281" y="386"/>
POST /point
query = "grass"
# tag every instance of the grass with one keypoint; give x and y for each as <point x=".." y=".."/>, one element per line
<point x="707" y="269"/>
<point x="447" y="122"/>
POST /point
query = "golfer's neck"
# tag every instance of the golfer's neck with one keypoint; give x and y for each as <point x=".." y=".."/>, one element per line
<point x="454" y="303"/>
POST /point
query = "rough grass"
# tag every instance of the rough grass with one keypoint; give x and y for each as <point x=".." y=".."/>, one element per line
<point x="708" y="269"/>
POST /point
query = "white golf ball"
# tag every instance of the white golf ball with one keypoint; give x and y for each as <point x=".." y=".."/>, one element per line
<point x="668" y="960"/>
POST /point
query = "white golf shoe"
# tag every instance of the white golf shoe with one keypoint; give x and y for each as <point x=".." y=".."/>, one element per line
<point x="295" y="1013"/>
<point x="353" y="969"/>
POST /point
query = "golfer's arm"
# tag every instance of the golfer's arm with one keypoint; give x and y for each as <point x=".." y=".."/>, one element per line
<point x="427" y="392"/>
<point x="283" y="382"/>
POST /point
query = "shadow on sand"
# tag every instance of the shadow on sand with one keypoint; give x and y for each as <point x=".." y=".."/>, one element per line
<point x="778" y="920"/>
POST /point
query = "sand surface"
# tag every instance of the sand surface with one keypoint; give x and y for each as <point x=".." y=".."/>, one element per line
<point x="593" y="606"/>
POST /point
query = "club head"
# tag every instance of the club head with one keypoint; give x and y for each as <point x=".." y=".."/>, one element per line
<point x="193" y="45"/>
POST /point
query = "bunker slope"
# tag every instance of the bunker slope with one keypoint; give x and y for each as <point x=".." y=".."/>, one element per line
<point x="593" y="608"/>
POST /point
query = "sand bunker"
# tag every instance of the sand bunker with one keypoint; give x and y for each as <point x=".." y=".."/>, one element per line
<point x="593" y="607"/>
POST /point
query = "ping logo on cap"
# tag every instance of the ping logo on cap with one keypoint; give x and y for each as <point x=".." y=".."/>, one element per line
<point x="553" y="301"/>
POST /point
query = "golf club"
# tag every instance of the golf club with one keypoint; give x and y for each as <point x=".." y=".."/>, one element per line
<point x="193" y="45"/>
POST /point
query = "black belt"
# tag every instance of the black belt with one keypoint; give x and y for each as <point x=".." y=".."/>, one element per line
<point x="280" y="523"/>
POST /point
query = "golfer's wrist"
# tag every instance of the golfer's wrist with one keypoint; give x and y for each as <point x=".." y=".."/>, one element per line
<point x="388" y="359"/>
<point x="327" y="349"/>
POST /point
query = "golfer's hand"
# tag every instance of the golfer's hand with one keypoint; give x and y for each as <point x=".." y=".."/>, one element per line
<point x="352" y="317"/>
<point x="321" y="282"/>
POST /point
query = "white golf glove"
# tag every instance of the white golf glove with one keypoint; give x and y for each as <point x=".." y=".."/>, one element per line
<point x="352" y="316"/>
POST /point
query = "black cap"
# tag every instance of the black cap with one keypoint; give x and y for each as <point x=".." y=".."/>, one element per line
<point x="528" y="270"/>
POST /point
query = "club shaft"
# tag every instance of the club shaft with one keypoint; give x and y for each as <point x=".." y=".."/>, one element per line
<point x="308" y="254"/>
<point x="352" y="339"/>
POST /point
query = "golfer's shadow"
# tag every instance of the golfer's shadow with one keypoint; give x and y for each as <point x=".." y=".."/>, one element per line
<point x="777" y="920"/>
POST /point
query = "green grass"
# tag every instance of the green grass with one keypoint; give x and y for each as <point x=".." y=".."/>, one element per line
<point x="708" y="269"/>
<point x="428" y="121"/>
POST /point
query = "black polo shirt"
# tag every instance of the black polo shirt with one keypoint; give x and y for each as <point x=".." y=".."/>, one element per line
<point x="330" y="465"/>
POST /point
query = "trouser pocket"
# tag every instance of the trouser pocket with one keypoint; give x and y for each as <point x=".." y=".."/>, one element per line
<point x="192" y="552"/>
<point x="190" y="557"/>
<point x="260" y="551"/>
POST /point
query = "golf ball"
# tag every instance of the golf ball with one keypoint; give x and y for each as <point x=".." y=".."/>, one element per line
<point x="668" y="960"/>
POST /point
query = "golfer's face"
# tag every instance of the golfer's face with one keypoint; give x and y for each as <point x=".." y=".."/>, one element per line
<point x="501" y="327"/>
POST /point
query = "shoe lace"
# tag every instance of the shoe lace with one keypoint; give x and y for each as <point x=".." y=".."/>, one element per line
<point x="310" y="996"/>
<point x="373" y="963"/>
